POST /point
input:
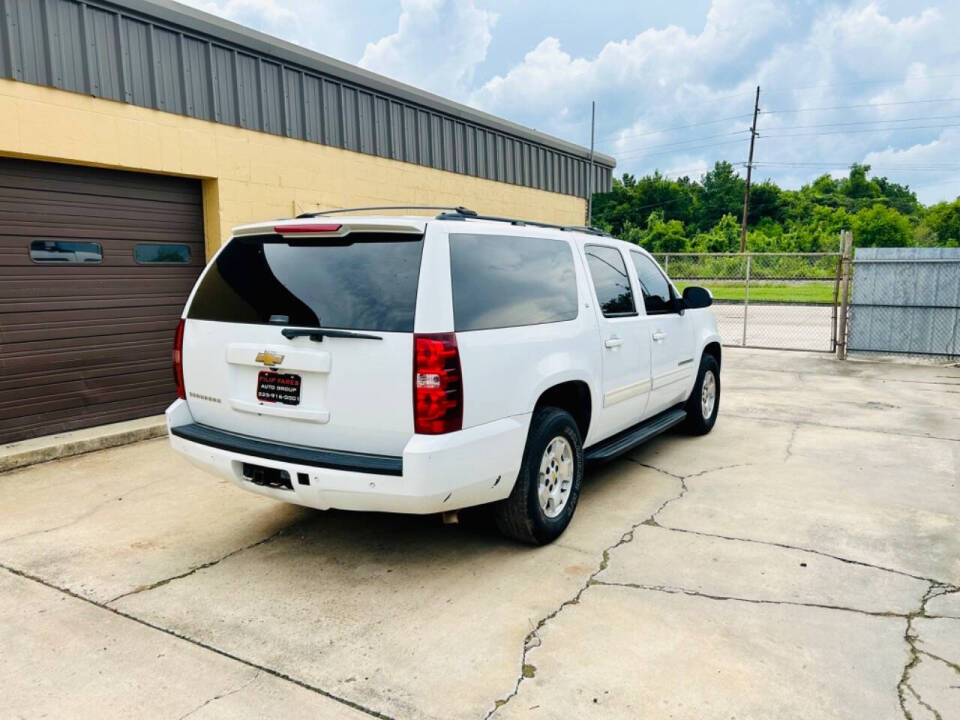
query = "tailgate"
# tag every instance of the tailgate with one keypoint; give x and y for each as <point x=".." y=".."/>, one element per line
<point x="349" y="389"/>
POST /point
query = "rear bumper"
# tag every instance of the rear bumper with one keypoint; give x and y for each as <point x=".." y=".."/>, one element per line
<point x="435" y="473"/>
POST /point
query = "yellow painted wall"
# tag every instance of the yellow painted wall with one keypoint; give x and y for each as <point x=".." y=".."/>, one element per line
<point x="247" y="175"/>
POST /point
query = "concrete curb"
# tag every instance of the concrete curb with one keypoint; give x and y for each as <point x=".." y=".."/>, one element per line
<point x="51" y="447"/>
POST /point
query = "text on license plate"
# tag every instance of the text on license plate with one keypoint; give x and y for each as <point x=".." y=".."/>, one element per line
<point x="278" y="387"/>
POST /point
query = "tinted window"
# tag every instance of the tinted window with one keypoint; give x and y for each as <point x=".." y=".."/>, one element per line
<point x="143" y="253"/>
<point x="657" y="297"/>
<point x="610" y="279"/>
<point x="365" y="281"/>
<point x="57" y="251"/>
<point x="510" y="281"/>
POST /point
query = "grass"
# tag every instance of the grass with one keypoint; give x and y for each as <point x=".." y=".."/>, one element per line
<point x="785" y="292"/>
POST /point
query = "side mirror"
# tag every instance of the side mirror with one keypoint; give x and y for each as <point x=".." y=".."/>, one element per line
<point x="696" y="297"/>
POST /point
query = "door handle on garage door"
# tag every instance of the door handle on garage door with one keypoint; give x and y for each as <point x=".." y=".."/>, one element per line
<point x="659" y="336"/>
<point x="613" y="342"/>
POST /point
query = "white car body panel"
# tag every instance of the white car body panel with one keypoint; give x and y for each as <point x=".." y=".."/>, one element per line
<point x="357" y="394"/>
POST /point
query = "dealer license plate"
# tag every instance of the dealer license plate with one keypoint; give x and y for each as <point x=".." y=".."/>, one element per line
<point x="278" y="387"/>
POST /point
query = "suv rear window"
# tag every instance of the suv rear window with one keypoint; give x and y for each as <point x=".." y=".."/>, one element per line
<point x="503" y="281"/>
<point x="365" y="281"/>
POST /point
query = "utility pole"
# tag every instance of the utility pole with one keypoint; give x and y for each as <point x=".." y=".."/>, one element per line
<point x="746" y="193"/>
<point x="590" y="172"/>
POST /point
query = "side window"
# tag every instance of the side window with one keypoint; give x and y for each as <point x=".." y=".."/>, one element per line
<point x="610" y="280"/>
<point x="657" y="296"/>
<point x="147" y="253"/>
<point x="58" y="251"/>
<point x="500" y="281"/>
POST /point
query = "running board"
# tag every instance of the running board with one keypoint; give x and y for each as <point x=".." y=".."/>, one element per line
<point x="631" y="437"/>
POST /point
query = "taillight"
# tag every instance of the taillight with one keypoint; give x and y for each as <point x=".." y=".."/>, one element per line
<point x="437" y="384"/>
<point x="178" y="361"/>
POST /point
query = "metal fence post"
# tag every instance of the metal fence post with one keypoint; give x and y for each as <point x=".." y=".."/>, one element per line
<point x="666" y="265"/>
<point x="836" y="298"/>
<point x="746" y="300"/>
<point x="845" y="297"/>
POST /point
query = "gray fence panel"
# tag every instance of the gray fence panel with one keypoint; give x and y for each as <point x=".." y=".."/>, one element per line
<point x="906" y="301"/>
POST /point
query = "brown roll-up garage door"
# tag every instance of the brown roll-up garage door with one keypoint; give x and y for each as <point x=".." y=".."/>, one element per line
<point x="95" y="267"/>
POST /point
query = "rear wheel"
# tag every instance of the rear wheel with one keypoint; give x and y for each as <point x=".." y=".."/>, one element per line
<point x="704" y="402"/>
<point x="545" y="495"/>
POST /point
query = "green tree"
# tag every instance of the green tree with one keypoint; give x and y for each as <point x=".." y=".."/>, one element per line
<point x="667" y="215"/>
<point x="721" y="194"/>
<point x="723" y="237"/>
<point x="664" y="236"/>
<point x="942" y="223"/>
<point x="880" y="226"/>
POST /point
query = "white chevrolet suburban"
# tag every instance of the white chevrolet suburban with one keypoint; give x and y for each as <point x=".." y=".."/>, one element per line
<point x="421" y="365"/>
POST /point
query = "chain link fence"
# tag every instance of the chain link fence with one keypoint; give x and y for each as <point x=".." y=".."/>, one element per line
<point x="786" y="301"/>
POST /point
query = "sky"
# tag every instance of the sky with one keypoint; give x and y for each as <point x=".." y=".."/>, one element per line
<point x="840" y="82"/>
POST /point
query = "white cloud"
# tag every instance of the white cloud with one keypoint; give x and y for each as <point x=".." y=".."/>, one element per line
<point x="804" y="56"/>
<point x="437" y="45"/>
<point x="248" y="12"/>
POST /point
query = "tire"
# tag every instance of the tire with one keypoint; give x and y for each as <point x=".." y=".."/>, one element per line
<point x="521" y="516"/>
<point x="698" y="422"/>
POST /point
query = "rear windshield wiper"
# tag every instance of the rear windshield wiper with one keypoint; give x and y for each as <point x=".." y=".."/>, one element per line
<point x="317" y="334"/>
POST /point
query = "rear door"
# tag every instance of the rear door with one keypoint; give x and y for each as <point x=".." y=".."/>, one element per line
<point x="624" y="341"/>
<point x="241" y="372"/>
<point x="670" y="333"/>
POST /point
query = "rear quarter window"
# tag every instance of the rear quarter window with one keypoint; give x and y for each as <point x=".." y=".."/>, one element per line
<point x="509" y="281"/>
<point x="365" y="281"/>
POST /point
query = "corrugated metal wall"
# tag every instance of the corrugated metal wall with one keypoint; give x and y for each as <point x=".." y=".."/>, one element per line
<point x="92" y="48"/>
<point x="906" y="300"/>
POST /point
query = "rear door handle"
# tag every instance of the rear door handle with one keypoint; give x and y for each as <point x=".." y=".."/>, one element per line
<point x="659" y="336"/>
<point x="613" y="342"/>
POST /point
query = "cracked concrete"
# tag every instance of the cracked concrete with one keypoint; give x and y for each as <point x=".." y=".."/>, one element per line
<point x="800" y="561"/>
<point x="106" y="523"/>
<point x="66" y="657"/>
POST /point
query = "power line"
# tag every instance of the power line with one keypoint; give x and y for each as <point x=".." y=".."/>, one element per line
<point x="901" y="168"/>
<point x="890" y="81"/>
<point x="860" y="105"/>
<point x="678" y="127"/>
<point x="685" y="149"/>
<point x="684" y="142"/>
<point x="865" y="122"/>
<point x="862" y="130"/>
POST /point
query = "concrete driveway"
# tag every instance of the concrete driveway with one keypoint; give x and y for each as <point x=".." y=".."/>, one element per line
<point x="802" y="561"/>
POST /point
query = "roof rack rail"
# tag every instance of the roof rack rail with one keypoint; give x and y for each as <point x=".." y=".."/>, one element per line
<point x="459" y="210"/>
<point x="456" y="215"/>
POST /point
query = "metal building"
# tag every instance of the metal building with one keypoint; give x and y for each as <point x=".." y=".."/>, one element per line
<point x="134" y="135"/>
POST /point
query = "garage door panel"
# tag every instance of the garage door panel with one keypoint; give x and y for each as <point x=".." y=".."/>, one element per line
<point x="72" y="419"/>
<point x="77" y="219"/>
<point x="81" y="196"/>
<point x="68" y="316"/>
<point x="57" y="178"/>
<point x="62" y="352"/>
<point x="32" y="400"/>
<point x="47" y="377"/>
<point x="85" y="206"/>
<point x="81" y="288"/>
<point x="14" y="308"/>
<point x="88" y="343"/>
<point x="105" y="328"/>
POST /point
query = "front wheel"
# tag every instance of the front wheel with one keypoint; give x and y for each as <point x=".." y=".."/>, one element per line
<point x="545" y="495"/>
<point x="704" y="402"/>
